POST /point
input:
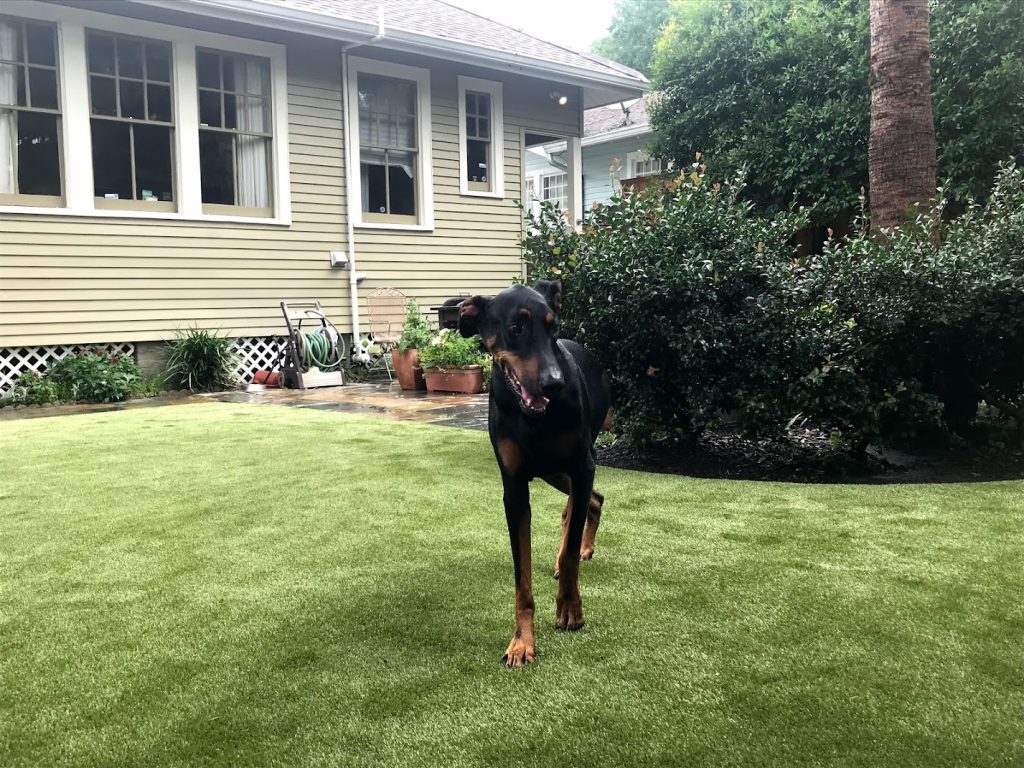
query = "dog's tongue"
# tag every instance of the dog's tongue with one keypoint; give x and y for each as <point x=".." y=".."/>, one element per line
<point x="537" y="402"/>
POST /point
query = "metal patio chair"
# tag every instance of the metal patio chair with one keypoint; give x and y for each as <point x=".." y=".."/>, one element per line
<point x="385" y="320"/>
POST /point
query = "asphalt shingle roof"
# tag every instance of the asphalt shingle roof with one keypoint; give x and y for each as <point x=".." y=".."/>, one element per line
<point x="604" y="119"/>
<point x="442" y="21"/>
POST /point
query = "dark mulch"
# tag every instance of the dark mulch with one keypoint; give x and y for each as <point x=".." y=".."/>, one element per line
<point x="806" y="456"/>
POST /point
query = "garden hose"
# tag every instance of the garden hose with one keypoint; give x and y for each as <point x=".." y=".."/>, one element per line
<point x="318" y="350"/>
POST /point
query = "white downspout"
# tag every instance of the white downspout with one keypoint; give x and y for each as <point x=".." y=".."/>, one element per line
<point x="359" y="352"/>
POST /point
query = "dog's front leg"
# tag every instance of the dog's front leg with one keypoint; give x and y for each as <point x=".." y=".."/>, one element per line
<point x="521" y="650"/>
<point x="568" y="605"/>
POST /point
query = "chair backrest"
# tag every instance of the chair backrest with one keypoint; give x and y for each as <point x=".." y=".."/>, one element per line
<point x="385" y="314"/>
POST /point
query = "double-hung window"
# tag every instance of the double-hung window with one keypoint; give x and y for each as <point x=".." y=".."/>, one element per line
<point x="235" y="132"/>
<point x="641" y="164"/>
<point x="132" y="121"/>
<point x="30" y="117"/>
<point x="481" y="149"/>
<point x="554" y="188"/>
<point x="391" y="105"/>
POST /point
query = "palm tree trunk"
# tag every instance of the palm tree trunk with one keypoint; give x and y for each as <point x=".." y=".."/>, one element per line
<point x="901" y="151"/>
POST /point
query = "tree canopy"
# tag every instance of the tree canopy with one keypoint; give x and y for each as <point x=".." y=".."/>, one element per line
<point x="633" y="32"/>
<point x="780" y="88"/>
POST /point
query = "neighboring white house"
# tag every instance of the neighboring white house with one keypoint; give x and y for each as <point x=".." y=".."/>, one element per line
<point x="613" y="151"/>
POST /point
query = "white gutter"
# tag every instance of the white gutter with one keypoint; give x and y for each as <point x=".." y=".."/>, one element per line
<point x="359" y="353"/>
<point x="282" y="18"/>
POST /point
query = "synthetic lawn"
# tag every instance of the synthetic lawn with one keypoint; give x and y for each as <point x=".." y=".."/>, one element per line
<point x="253" y="585"/>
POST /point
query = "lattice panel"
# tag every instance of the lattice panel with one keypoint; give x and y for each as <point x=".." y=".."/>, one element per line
<point x="14" y="361"/>
<point x="258" y="353"/>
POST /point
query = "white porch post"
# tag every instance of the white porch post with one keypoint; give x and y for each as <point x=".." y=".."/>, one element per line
<point x="574" y="170"/>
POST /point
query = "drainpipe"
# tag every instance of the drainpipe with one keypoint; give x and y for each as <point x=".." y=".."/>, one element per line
<point x="359" y="353"/>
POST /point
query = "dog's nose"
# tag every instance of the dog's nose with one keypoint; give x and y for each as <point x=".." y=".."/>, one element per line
<point x="552" y="382"/>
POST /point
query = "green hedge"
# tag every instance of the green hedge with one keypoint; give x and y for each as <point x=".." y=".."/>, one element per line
<point x="699" y="307"/>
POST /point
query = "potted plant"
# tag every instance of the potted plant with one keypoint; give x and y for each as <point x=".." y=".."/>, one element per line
<point x="416" y="335"/>
<point x="453" y="364"/>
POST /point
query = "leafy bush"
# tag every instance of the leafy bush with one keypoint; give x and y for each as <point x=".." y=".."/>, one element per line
<point x="32" y="389"/>
<point x="93" y="377"/>
<point x="416" y="334"/>
<point x="449" y="350"/>
<point x="698" y="306"/>
<point x="203" y="360"/>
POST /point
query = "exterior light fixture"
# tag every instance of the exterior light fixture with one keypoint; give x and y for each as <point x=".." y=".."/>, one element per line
<point x="561" y="98"/>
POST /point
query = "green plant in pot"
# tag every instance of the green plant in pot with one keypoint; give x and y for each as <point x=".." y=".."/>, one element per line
<point x="416" y="335"/>
<point x="454" y="364"/>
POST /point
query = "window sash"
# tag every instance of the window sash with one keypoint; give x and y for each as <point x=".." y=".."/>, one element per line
<point x="377" y="118"/>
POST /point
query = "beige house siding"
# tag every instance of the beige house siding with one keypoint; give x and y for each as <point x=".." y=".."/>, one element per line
<point x="90" y="280"/>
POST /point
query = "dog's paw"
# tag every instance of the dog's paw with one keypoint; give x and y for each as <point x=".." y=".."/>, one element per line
<point x="569" y="614"/>
<point x="520" y="652"/>
<point x="586" y="553"/>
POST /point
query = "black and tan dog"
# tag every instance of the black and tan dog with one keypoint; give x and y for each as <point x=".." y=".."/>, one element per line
<point x="549" y="398"/>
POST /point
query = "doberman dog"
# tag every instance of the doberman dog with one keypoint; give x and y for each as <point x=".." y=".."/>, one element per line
<point x="549" y="398"/>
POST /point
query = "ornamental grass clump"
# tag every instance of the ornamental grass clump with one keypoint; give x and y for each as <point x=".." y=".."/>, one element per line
<point x="203" y="360"/>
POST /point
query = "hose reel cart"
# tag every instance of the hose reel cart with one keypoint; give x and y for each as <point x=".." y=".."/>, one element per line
<point x="313" y="356"/>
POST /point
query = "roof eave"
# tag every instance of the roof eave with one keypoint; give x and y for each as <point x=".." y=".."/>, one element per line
<point x="606" y="85"/>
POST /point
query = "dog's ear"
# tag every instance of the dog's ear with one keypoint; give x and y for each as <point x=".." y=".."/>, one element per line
<point x="473" y="311"/>
<point x="552" y="291"/>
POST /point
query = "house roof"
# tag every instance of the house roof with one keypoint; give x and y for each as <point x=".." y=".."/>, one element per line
<point x="603" y="120"/>
<point x="437" y="28"/>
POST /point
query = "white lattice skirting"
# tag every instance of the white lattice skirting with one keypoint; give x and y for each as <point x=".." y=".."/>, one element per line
<point x="254" y="353"/>
<point x="14" y="361"/>
<point x="257" y="353"/>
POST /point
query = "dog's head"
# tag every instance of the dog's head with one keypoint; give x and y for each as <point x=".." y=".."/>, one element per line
<point x="519" y="328"/>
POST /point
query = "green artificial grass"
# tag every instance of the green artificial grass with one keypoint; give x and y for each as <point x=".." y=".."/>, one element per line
<point x="252" y="585"/>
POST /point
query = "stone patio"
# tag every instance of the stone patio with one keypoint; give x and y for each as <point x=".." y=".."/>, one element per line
<point x="378" y="399"/>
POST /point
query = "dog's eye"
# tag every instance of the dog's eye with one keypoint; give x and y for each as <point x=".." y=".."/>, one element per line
<point x="515" y="329"/>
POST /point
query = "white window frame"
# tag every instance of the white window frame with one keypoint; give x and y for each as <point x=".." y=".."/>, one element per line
<point x="540" y="187"/>
<point x="497" y="173"/>
<point x="632" y="158"/>
<point x="424" y="161"/>
<point x="76" y="133"/>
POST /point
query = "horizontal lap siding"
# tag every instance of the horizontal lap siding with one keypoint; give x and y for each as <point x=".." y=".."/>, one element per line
<point x="83" y="280"/>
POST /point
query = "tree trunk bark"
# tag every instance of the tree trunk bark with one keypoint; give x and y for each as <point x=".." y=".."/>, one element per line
<point x="901" y="150"/>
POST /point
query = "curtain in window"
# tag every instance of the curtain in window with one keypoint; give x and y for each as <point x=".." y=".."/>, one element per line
<point x="251" y="155"/>
<point x="8" y="96"/>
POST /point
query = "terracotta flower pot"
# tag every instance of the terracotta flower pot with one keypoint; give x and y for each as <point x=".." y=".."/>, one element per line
<point x="468" y="380"/>
<point x="407" y="368"/>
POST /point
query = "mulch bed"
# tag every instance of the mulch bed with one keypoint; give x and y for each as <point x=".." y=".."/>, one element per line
<point x="806" y="456"/>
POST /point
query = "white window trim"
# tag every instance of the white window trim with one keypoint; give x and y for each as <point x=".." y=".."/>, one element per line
<point x="424" y="162"/>
<point x="549" y="175"/>
<point x="493" y="89"/>
<point x="74" y="98"/>
<point x="634" y="157"/>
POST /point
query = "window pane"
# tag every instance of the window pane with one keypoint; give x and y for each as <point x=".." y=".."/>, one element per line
<point x="402" y="183"/>
<point x="103" y="95"/>
<point x="252" y="114"/>
<point x="387" y="111"/>
<point x="230" y="110"/>
<point x="132" y="100"/>
<point x="40" y="44"/>
<point x="228" y="67"/>
<point x="111" y="160"/>
<point x="483" y="128"/>
<point x="43" y="85"/>
<point x="476" y="160"/>
<point x="129" y="57"/>
<point x="10" y="41"/>
<point x="484" y="105"/>
<point x="372" y="175"/>
<point x="209" y="108"/>
<point x="471" y="103"/>
<point x="159" y="102"/>
<point x="251" y="76"/>
<point x="12" y="85"/>
<point x="208" y="66"/>
<point x="470" y="125"/>
<point x="153" y="163"/>
<point x="217" y="167"/>
<point x="101" y="54"/>
<point x="252" y="159"/>
<point x="38" y="154"/>
<point x="158" y="62"/>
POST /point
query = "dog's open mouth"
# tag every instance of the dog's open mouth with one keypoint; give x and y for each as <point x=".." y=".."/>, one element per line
<point x="533" y="405"/>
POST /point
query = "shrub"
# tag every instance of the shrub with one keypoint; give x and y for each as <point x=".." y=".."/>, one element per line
<point x="416" y="334"/>
<point x="203" y="360"/>
<point x="698" y="306"/>
<point x="92" y="377"/>
<point x="32" y="389"/>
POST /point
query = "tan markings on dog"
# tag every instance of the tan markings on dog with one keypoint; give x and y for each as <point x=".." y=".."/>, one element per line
<point x="489" y="342"/>
<point x="549" y="318"/>
<point x="522" y="649"/>
<point x="565" y="533"/>
<point x="590" y="531"/>
<point x="524" y="312"/>
<point x="525" y="368"/>
<point x="511" y="455"/>
<point x="469" y="309"/>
